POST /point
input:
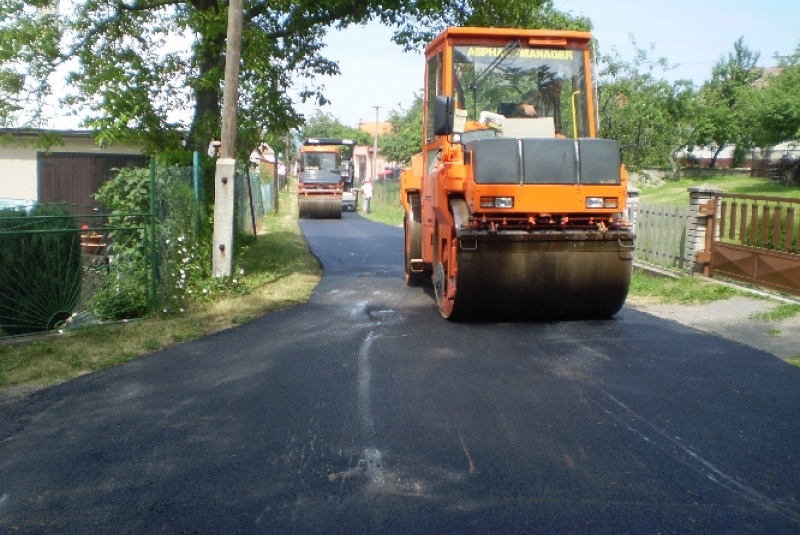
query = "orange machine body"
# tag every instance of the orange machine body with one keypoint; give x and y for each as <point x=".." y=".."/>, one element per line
<point x="512" y="181"/>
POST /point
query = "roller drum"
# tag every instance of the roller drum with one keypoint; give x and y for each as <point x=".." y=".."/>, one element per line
<point x="542" y="277"/>
<point x="317" y="207"/>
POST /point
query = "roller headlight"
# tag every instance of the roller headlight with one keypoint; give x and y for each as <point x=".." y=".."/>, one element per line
<point x="497" y="202"/>
<point x="602" y="202"/>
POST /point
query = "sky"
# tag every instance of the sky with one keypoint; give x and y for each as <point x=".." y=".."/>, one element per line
<point x="693" y="35"/>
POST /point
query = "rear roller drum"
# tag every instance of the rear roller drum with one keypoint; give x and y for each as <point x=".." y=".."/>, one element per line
<point x="320" y="208"/>
<point x="412" y="225"/>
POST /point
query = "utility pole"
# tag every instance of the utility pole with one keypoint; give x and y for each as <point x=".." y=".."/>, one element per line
<point x="375" y="148"/>
<point x="225" y="175"/>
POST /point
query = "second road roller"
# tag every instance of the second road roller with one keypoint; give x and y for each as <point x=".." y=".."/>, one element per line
<point x="322" y="178"/>
<point x="514" y="208"/>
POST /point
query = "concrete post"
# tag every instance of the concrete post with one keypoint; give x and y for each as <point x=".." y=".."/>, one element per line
<point x="697" y="228"/>
<point x="222" y="255"/>
<point x="633" y="206"/>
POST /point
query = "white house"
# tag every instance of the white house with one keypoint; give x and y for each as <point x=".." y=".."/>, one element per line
<point x="68" y="167"/>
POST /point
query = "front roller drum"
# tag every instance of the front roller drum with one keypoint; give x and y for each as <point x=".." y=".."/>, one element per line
<point x="314" y="207"/>
<point x="540" y="279"/>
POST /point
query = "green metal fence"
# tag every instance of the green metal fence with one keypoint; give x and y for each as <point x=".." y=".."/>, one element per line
<point x="66" y="266"/>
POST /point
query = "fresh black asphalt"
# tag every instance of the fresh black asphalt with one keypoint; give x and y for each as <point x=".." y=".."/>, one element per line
<point x="364" y="411"/>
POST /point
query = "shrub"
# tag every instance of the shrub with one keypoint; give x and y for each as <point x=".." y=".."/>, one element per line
<point x="40" y="281"/>
<point x="123" y="285"/>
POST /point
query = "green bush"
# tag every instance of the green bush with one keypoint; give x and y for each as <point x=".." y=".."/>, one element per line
<point x="40" y="281"/>
<point x="123" y="285"/>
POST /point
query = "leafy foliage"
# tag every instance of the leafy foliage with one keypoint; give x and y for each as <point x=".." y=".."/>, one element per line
<point x="405" y="139"/>
<point x="323" y="124"/>
<point x="183" y="237"/>
<point x="123" y="289"/>
<point x="776" y="114"/>
<point x="418" y="27"/>
<point x="646" y="114"/>
<point x="721" y="116"/>
<point x="138" y="68"/>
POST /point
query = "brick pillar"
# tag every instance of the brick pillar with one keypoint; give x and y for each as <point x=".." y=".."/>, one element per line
<point x="697" y="226"/>
<point x="633" y="206"/>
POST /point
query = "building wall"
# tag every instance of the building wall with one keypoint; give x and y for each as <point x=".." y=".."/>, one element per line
<point x="362" y="155"/>
<point x="18" y="162"/>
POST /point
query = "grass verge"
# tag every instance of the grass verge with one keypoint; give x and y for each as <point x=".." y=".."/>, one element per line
<point x="278" y="272"/>
<point x="781" y="312"/>
<point x="650" y="289"/>
<point x="385" y="205"/>
<point x="675" y="192"/>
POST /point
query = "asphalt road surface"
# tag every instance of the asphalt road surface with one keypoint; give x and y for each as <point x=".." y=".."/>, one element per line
<point x="364" y="411"/>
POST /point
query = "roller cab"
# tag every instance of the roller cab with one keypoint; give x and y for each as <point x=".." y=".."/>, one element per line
<point x="516" y="209"/>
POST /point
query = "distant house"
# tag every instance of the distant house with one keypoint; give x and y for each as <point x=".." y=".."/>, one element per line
<point x="766" y="74"/>
<point x="264" y="157"/>
<point x="69" y="171"/>
<point x="367" y="164"/>
<point x="384" y="127"/>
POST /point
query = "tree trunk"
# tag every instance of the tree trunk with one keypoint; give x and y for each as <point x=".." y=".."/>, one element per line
<point x="713" y="163"/>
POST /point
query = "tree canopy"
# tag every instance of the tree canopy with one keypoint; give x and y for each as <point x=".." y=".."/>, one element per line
<point x="138" y="68"/>
<point x="323" y="124"/>
<point x="653" y="118"/>
<point x="776" y="115"/>
<point x="405" y="139"/>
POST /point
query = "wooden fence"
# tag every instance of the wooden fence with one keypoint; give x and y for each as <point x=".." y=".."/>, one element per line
<point x="661" y="234"/>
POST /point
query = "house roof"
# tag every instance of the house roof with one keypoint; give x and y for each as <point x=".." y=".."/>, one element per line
<point x="32" y="132"/>
<point x="766" y="74"/>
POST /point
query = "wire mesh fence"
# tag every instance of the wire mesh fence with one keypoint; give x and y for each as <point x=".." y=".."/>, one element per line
<point x="387" y="190"/>
<point x="62" y="269"/>
<point x="144" y="245"/>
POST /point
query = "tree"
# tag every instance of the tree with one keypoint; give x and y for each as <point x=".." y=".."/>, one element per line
<point x="405" y="139"/>
<point x="646" y="114"/>
<point x="416" y="31"/>
<point x="722" y="117"/>
<point x="775" y="113"/>
<point x="323" y="124"/>
<point x="138" y="67"/>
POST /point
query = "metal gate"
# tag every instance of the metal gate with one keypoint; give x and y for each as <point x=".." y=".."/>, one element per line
<point x="755" y="239"/>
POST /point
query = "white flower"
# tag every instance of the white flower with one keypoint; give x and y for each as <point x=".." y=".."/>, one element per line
<point x="241" y="271"/>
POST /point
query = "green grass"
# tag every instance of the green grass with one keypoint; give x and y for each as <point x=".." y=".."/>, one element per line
<point x="675" y="192"/>
<point x="278" y="272"/>
<point x="681" y="290"/>
<point x="385" y="206"/>
<point x="781" y="312"/>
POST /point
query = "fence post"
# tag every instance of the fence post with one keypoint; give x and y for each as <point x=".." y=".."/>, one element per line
<point x="152" y="240"/>
<point x="633" y="206"/>
<point x="698" y="258"/>
<point x="197" y="190"/>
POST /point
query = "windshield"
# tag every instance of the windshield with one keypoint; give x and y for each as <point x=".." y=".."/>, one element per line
<point x="319" y="160"/>
<point x="520" y="82"/>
